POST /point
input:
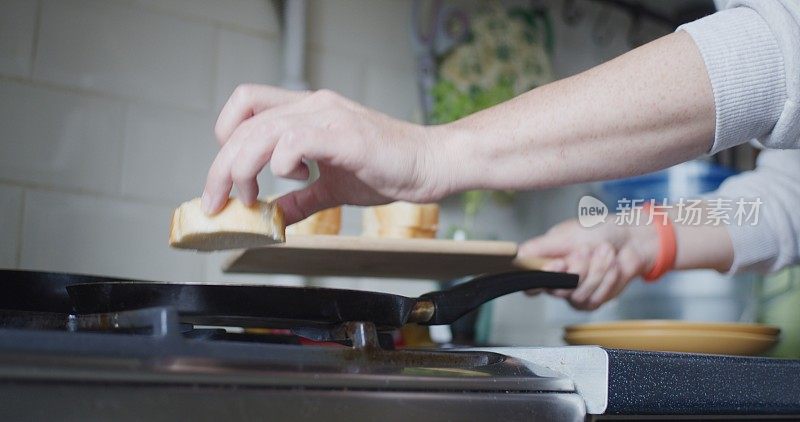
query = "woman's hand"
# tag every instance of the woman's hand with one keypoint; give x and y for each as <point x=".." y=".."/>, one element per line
<point x="364" y="157"/>
<point x="606" y="258"/>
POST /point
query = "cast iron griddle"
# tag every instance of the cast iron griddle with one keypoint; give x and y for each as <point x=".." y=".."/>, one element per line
<point x="249" y="305"/>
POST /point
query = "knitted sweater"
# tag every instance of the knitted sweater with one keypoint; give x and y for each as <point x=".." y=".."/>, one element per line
<point x="751" y="49"/>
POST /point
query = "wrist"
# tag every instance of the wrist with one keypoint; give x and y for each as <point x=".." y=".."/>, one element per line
<point x="457" y="170"/>
<point x="644" y="240"/>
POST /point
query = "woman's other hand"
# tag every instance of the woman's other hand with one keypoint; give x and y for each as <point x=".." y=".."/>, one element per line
<point x="605" y="257"/>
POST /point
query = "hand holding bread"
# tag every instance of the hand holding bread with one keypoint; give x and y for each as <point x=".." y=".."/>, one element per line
<point x="364" y="157"/>
<point x="236" y="226"/>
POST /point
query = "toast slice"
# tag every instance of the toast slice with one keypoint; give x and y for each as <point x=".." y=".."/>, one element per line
<point x="327" y="221"/>
<point x="237" y="226"/>
<point x="401" y="220"/>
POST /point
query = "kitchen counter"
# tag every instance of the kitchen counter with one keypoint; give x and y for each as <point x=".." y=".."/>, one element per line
<point x="681" y="383"/>
<point x="634" y="383"/>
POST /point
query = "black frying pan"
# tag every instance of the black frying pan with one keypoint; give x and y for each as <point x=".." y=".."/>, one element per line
<point x="40" y="291"/>
<point x="272" y="306"/>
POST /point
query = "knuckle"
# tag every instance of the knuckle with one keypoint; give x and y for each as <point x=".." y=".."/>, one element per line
<point x="338" y="116"/>
<point x="242" y="92"/>
<point x="242" y="131"/>
<point x="325" y="96"/>
<point x="220" y="133"/>
<point x="289" y="137"/>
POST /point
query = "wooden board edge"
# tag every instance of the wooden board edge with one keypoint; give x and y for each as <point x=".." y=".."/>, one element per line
<point x="381" y="244"/>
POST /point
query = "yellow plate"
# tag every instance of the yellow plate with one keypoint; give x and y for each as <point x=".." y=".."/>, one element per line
<point x="677" y="340"/>
<point x="659" y="324"/>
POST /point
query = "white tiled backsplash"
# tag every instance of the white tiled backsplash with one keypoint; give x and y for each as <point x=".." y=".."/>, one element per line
<point x="167" y="153"/>
<point x="245" y="58"/>
<point x="10" y="224"/>
<point x="17" y="24"/>
<point x="107" y="109"/>
<point x="58" y="138"/>
<point x="109" y="47"/>
<point x="89" y="234"/>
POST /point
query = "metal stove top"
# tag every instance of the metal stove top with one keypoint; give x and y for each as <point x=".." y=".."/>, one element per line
<point x="145" y="364"/>
<point x="155" y="364"/>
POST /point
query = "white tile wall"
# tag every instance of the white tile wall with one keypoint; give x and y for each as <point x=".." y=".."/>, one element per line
<point x="245" y="58"/>
<point x="377" y="30"/>
<point x="214" y="264"/>
<point x="124" y="50"/>
<point x="520" y="320"/>
<point x="257" y="15"/>
<point x="341" y="73"/>
<point x="59" y="139"/>
<point x="87" y="234"/>
<point x="167" y="153"/>
<point x="10" y="218"/>
<point x="392" y="91"/>
<point x="17" y="23"/>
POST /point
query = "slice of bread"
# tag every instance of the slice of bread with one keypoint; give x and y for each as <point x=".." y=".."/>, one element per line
<point x="235" y="227"/>
<point x="323" y="222"/>
<point x="401" y="220"/>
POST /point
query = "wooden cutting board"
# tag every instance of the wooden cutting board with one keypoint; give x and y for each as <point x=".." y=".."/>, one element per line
<point x="353" y="256"/>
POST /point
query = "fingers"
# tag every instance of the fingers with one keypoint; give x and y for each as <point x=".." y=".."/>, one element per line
<point x="555" y="265"/>
<point x="219" y="182"/>
<point x="548" y="245"/>
<point x="601" y="277"/>
<point x="607" y="289"/>
<point x="252" y="139"/>
<point x="301" y="203"/>
<point x="255" y="152"/>
<point x="242" y="158"/>
<point x="247" y="101"/>
<point x="600" y="260"/>
<point x="626" y="266"/>
<point x="576" y="263"/>
<point x="297" y="145"/>
<point x="280" y="135"/>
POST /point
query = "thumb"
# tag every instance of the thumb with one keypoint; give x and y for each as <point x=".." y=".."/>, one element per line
<point x="299" y="204"/>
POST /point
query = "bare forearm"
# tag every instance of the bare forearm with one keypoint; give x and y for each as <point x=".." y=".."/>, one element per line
<point x="643" y="111"/>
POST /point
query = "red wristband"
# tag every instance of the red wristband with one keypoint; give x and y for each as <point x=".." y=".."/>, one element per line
<point x="667" y="245"/>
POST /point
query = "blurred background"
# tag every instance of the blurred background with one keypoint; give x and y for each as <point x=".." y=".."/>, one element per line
<point x="107" y="109"/>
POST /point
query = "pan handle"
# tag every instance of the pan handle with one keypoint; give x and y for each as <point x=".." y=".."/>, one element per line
<point x="451" y="304"/>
